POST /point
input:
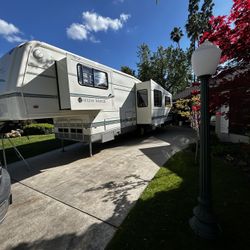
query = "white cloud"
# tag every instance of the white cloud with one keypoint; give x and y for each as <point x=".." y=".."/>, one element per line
<point x="10" y="32"/>
<point x="7" y="28"/>
<point x="92" y="23"/>
<point x="77" y="31"/>
<point x="94" y="40"/>
<point x="15" y="39"/>
<point x="124" y="17"/>
<point x="95" y="22"/>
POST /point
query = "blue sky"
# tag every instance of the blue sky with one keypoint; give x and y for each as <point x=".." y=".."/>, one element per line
<point x="107" y="31"/>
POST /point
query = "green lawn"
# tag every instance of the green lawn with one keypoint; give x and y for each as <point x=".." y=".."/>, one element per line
<point x="159" y="220"/>
<point x="30" y="146"/>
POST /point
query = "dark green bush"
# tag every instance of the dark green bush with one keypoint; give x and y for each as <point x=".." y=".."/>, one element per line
<point x="39" y="129"/>
<point x="219" y="150"/>
<point x="214" y="139"/>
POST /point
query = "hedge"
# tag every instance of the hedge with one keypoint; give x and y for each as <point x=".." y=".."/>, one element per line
<point x="38" y="129"/>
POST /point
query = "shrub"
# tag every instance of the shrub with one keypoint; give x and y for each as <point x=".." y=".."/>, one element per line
<point x="38" y="129"/>
<point x="219" y="150"/>
<point x="214" y="139"/>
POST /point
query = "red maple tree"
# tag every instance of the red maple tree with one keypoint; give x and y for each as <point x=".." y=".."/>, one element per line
<point x="232" y="33"/>
<point x="231" y="85"/>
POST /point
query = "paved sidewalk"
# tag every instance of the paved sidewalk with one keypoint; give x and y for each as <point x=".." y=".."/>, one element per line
<point x="71" y="201"/>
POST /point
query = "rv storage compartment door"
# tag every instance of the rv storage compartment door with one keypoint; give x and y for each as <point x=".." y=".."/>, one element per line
<point x="83" y="85"/>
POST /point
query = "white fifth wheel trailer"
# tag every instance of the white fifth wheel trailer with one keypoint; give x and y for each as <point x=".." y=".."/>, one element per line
<point x="87" y="100"/>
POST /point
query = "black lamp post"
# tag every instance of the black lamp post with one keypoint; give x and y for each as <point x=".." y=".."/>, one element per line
<point x="205" y="60"/>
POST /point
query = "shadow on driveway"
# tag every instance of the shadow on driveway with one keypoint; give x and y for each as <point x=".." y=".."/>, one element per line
<point x="81" y="206"/>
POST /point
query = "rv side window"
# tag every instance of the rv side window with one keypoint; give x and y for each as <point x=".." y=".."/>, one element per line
<point x="142" y="98"/>
<point x="92" y="77"/>
<point x="100" y="79"/>
<point x="87" y="76"/>
<point x="157" y="98"/>
<point x="167" y="101"/>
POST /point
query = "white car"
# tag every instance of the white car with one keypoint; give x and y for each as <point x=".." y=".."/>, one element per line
<point x="5" y="192"/>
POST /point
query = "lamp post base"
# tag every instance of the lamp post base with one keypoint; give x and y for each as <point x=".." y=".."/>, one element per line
<point x="204" y="224"/>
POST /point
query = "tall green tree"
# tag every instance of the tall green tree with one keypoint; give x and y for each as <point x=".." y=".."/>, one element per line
<point x="128" y="70"/>
<point x="176" y="35"/>
<point x="192" y="24"/>
<point x="168" y="67"/>
<point x="206" y="13"/>
<point x="144" y="66"/>
<point x="198" y="20"/>
<point x="178" y="70"/>
<point x="159" y="66"/>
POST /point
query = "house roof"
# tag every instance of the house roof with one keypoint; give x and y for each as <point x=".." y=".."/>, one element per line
<point x="187" y="92"/>
<point x="239" y="74"/>
<point x="231" y="73"/>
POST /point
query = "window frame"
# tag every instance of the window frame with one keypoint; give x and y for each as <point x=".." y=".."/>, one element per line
<point x="169" y="104"/>
<point x="156" y="90"/>
<point x="93" y="70"/>
<point x="137" y="98"/>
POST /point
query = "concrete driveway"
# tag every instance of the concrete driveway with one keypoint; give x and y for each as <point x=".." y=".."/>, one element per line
<point x="71" y="201"/>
